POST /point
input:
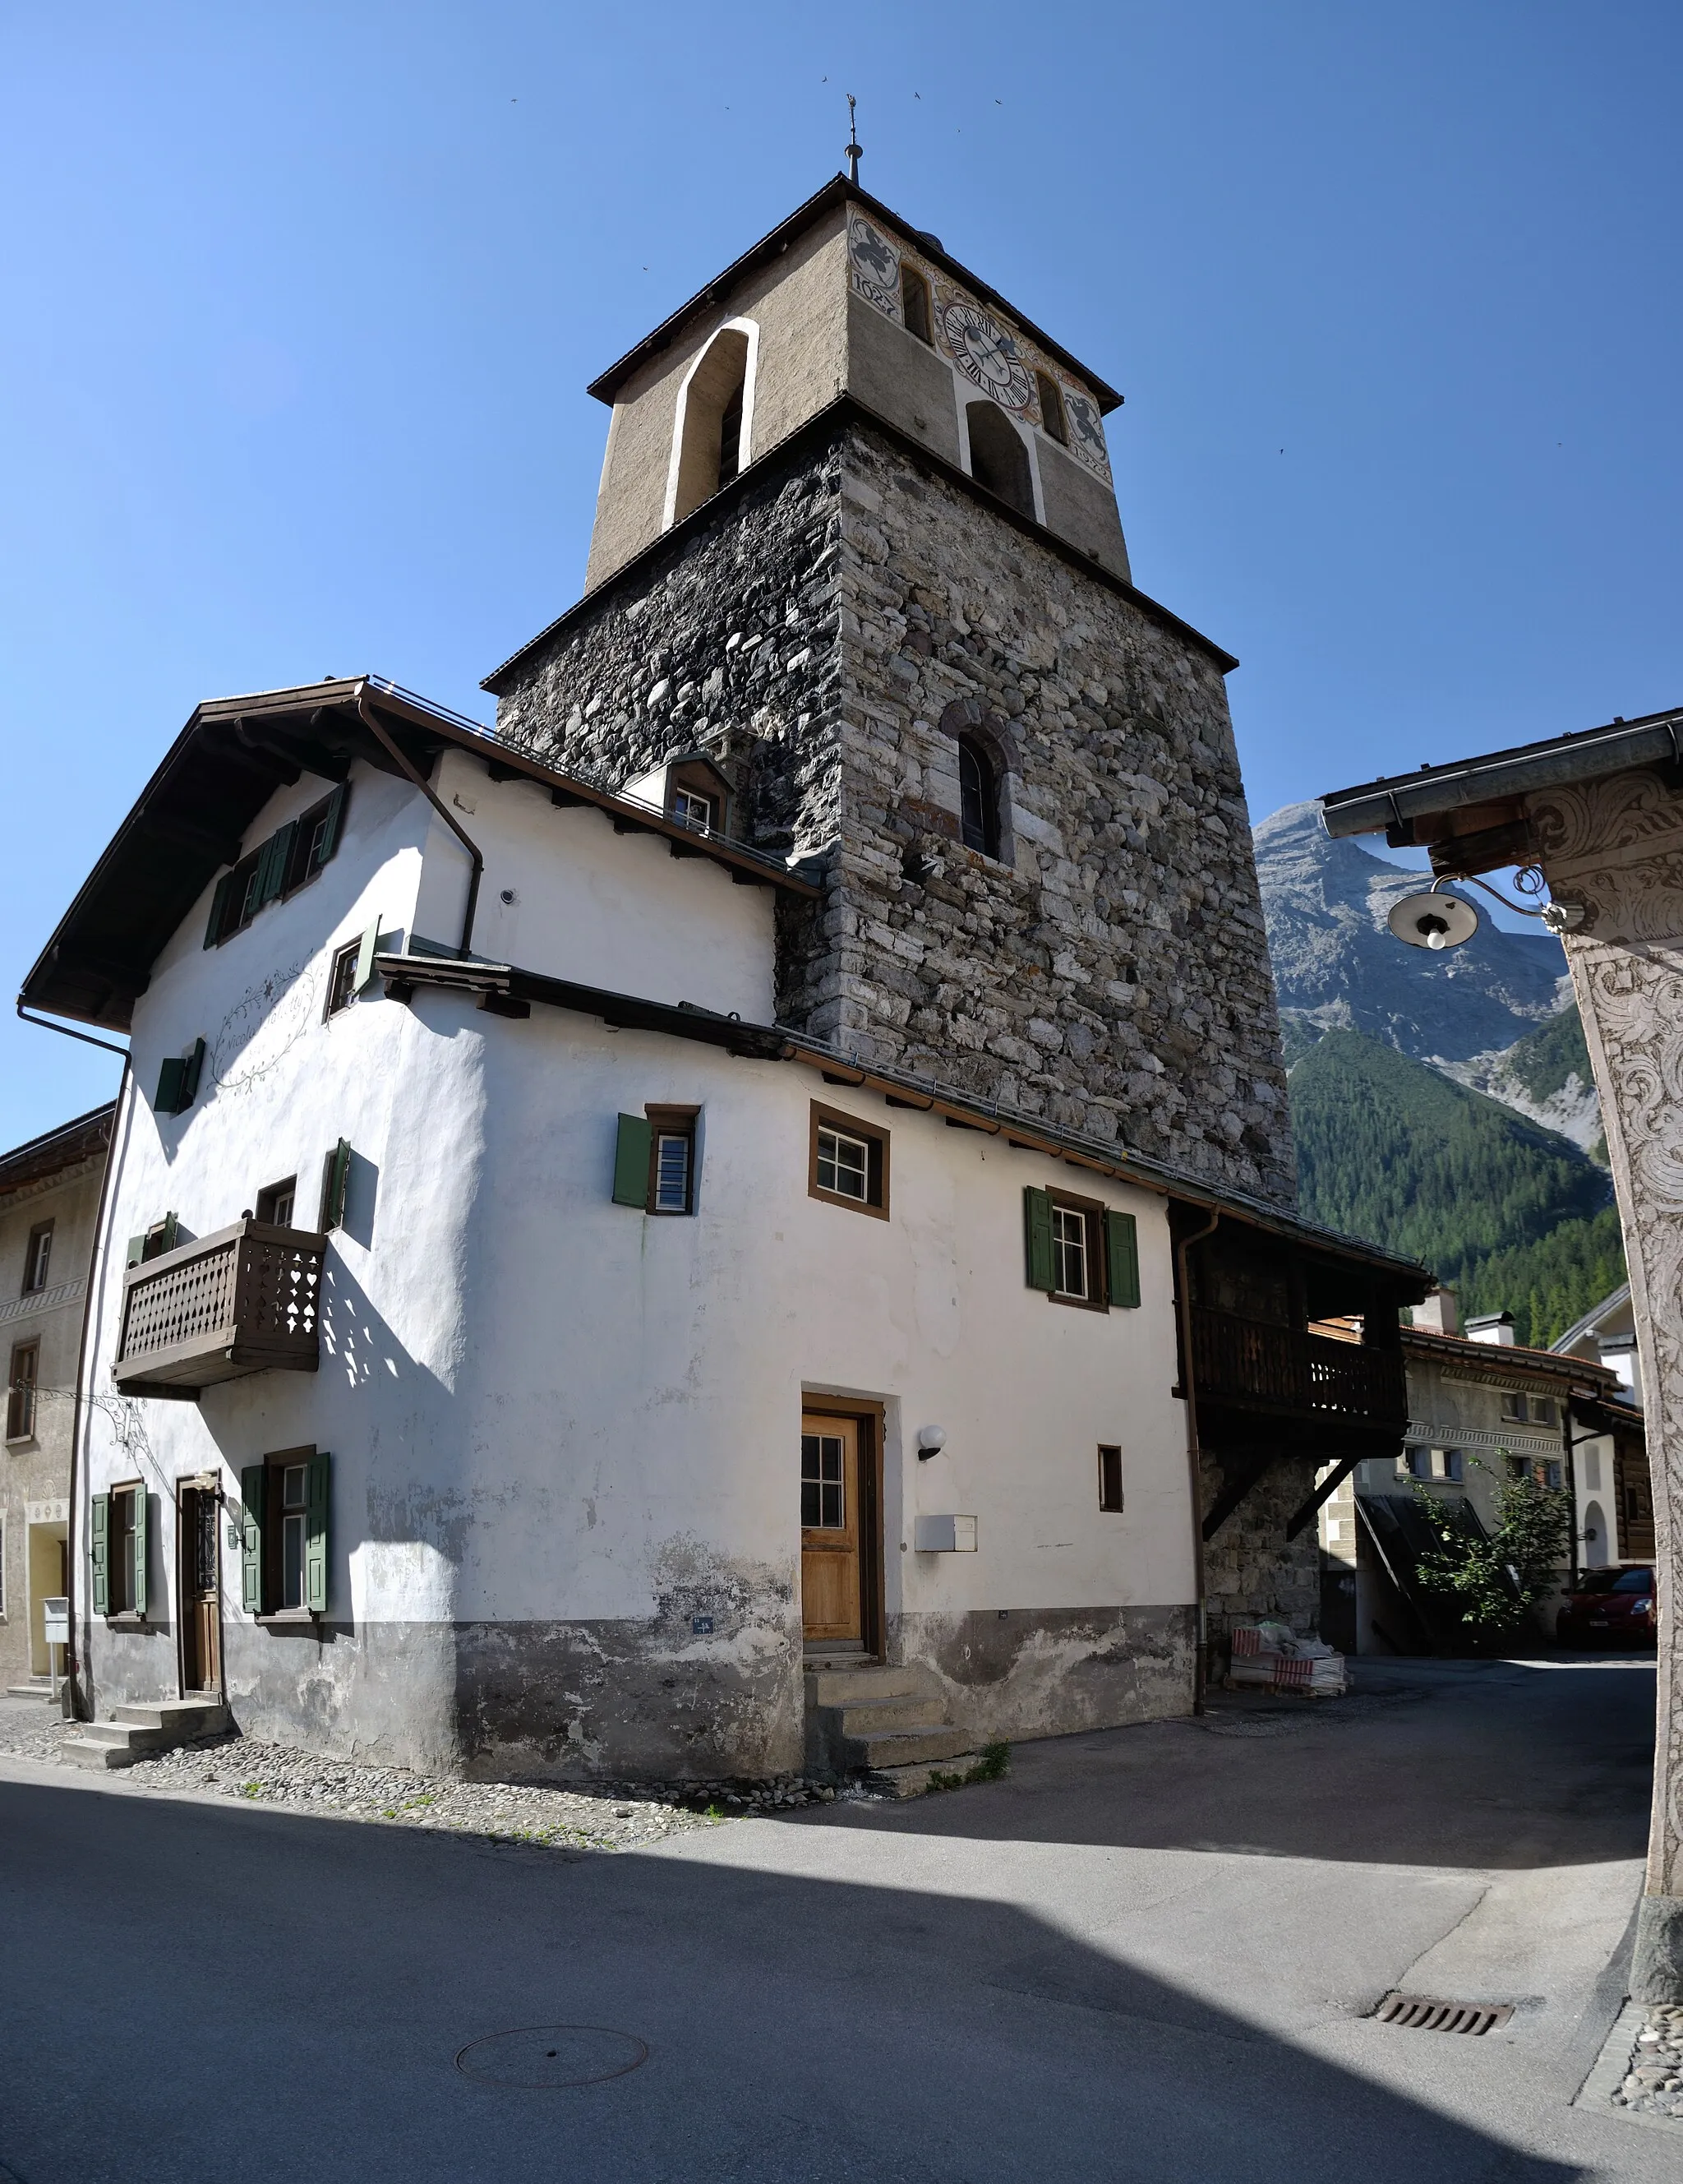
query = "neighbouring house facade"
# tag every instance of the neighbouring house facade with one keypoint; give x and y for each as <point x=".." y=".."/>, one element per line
<point x="49" y="1197"/>
<point x="1601" y="814"/>
<point x="776" y="1157"/>
<point x="1613" y="1483"/>
<point x="1481" y="1410"/>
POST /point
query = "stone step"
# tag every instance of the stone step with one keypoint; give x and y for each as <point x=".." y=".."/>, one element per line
<point x="86" y="1750"/>
<point x="181" y="1719"/>
<point x="877" y="1716"/>
<point x="842" y="1687"/>
<point x="905" y="1747"/>
<point x="913" y="1780"/>
<point x="126" y="1736"/>
<point x="37" y="1688"/>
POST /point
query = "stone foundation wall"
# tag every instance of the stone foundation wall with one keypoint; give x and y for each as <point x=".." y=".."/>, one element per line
<point x="1251" y="1568"/>
<point x="1053" y="1672"/>
<point x="828" y="631"/>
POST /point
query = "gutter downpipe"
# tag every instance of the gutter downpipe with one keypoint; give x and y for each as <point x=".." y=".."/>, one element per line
<point x="431" y="795"/>
<point x="72" y="1660"/>
<point x="1183" y="1287"/>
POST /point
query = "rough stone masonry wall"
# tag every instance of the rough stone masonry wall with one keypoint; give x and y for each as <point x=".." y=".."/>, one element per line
<point x="1251" y="1569"/>
<point x="840" y="619"/>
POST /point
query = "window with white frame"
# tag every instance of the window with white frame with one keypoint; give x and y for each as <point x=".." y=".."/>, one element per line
<point x="1070" y="1252"/>
<point x="848" y="1162"/>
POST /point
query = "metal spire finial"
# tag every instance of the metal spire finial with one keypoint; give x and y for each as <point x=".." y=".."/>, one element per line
<point x="855" y="150"/>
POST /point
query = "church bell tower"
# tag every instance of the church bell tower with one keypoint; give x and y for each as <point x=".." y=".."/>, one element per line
<point x="857" y="559"/>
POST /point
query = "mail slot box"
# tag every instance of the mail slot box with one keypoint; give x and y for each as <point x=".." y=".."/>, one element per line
<point x="56" y="1614"/>
<point x="947" y="1535"/>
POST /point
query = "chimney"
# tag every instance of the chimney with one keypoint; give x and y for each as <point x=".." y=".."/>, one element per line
<point x="1440" y="1313"/>
<point x="1497" y="1326"/>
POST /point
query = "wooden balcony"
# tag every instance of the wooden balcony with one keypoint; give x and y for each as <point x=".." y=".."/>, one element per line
<point x="246" y="1299"/>
<point x="1251" y="1364"/>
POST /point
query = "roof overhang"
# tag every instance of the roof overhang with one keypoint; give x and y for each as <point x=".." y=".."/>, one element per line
<point x="839" y="191"/>
<point x="57" y="1150"/>
<point x="1474" y="802"/>
<point x="190" y="820"/>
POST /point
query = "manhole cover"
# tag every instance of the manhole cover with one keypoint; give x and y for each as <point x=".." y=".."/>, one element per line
<point x="541" y="2056"/>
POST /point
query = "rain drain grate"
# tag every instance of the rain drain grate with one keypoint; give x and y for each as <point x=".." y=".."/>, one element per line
<point x="1430" y="2013"/>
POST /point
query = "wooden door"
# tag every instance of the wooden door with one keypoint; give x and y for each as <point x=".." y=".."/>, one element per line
<point x="201" y="1590"/>
<point x="832" y="1562"/>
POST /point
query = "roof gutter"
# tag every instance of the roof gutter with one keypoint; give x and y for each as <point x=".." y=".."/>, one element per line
<point x="378" y="733"/>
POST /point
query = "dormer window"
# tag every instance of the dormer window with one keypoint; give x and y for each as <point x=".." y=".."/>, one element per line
<point x="914" y="304"/>
<point x="1053" y="420"/>
<point x="692" y="809"/>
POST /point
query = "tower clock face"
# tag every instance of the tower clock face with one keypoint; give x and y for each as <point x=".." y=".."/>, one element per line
<point x="986" y="355"/>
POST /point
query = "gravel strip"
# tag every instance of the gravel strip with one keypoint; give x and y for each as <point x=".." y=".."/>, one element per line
<point x="622" y="1817"/>
<point x="1652" y="2084"/>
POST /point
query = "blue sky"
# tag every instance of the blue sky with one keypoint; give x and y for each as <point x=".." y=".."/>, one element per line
<point x="301" y="302"/>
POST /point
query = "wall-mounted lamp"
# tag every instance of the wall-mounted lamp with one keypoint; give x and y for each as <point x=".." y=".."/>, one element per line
<point x="931" y="1439"/>
<point x="1436" y="921"/>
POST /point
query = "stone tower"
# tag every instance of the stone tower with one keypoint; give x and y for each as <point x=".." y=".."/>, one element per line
<point x="858" y="594"/>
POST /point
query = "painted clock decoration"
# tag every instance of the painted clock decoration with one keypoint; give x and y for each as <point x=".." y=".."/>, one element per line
<point x="987" y="355"/>
<point x="877" y="266"/>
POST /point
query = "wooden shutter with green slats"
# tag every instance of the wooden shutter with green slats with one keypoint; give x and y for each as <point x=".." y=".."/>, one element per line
<point x="1037" y="1239"/>
<point x="335" y="1175"/>
<point x="277" y="855"/>
<point x="137" y="1251"/>
<point x="315" y="1536"/>
<point x="630" y="1161"/>
<point x="138" y="1603"/>
<point x="192" y="1069"/>
<point x="366" y="949"/>
<point x="99" y="1552"/>
<point x="218" y="909"/>
<point x="331" y="824"/>
<point x="167" y="1099"/>
<point x="1122" y="1252"/>
<point x="254" y="1479"/>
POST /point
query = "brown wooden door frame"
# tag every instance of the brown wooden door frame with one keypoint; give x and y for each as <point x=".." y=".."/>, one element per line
<point x="868" y="1419"/>
<point x="187" y="1489"/>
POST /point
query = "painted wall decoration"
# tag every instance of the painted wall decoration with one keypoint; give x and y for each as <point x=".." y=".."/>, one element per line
<point x="991" y="356"/>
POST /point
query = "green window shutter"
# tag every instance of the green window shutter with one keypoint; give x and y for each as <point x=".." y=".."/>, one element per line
<point x="172" y="1231"/>
<point x="137" y="1251"/>
<point x="365" y="954"/>
<point x="332" y="822"/>
<point x="253" y="1480"/>
<point x="630" y="1161"/>
<point x="1037" y="1239"/>
<point x="315" y="1536"/>
<point x="218" y="909"/>
<point x="191" y="1069"/>
<point x="99" y="1546"/>
<point x="167" y="1099"/>
<point x="271" y="871"/>
<point x="1122" y="1250"/>
<point x="335" y="1176"/>
<point x="139" y="1601"/>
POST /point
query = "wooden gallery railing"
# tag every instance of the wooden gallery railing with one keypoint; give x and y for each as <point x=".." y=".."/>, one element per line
<point x="246" y="1299"/>
<point x="1281" y="1368"/>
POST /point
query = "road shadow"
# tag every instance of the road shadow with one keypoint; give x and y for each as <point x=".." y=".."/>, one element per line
<point x="197" y="1991"/>
<point x="1507" y="1765"/>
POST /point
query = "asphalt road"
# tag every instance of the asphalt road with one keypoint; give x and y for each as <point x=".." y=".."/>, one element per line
<point x="1145" y="1954"/>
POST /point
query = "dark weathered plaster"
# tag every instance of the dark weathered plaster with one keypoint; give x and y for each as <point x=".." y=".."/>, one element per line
<point x="1051" y="1672"/>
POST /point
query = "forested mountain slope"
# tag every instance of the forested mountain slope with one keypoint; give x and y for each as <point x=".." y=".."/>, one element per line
<point x="1516" y="1216"/>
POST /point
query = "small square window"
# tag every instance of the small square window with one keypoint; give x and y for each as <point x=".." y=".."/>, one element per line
<point x="37" y="1257"/>
<point x="1513" y="1409"/>
<point x="672" y="1160"/>
<point x="277" y="1203"/>
<point x="1543" y="1410"/>
<point x="692" y="809"/>
<point x="848" y="1162"/>
<point x="1109" y="1478"/>
<point x="342" y="981"/>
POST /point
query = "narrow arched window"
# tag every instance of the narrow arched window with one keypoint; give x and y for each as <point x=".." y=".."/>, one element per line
<point x="998" y="458"/>
<point x="914" y="304"/>
<point x="978" y="798"/>
<point x="1051" y="416"/>
<point x="709" y="450"/>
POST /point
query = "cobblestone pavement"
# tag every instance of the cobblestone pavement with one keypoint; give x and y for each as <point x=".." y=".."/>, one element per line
<point x="1654" y="2083"/>
<point x="627" y="1817"/>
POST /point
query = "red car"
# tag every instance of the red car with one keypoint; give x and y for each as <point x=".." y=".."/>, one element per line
<point x="1609" y="1605"/>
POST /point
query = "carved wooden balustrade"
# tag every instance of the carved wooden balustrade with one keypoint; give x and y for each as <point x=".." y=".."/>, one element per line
<point x="246" y="1299"/>
<point x="1253" y="1364"/>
